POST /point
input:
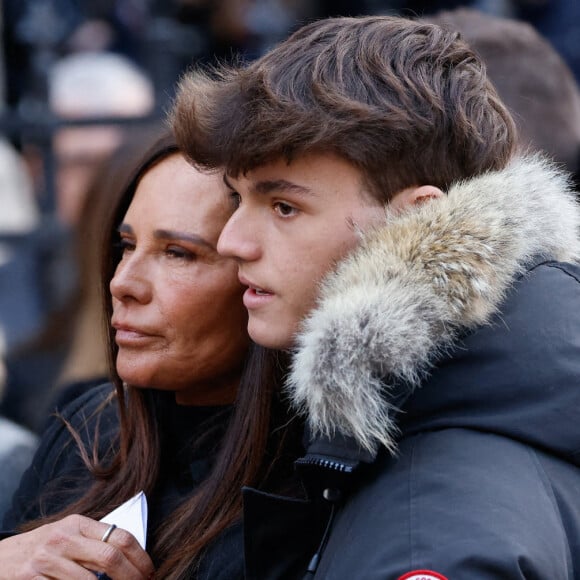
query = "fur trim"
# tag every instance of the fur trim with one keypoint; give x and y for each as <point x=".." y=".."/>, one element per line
<point x="400" y="299"/>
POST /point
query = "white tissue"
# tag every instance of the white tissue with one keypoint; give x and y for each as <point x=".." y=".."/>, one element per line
<point x="131" y="516"/>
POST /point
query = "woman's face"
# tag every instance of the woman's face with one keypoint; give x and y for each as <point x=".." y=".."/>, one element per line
<point x="179" y="320"/>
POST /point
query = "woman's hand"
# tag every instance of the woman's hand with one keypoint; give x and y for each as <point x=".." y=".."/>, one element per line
<point x="72" y="548"/>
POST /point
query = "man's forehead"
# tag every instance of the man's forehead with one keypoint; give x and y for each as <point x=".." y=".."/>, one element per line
<point x="295" y="170"/>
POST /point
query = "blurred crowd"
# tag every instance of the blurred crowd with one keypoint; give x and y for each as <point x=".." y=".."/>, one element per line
<point x="85" y="85"/>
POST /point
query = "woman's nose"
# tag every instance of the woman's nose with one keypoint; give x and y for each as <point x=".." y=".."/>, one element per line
<point x="131" y="281"/>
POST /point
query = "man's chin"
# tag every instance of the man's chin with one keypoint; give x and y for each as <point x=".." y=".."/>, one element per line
<point x="270" y="335"/>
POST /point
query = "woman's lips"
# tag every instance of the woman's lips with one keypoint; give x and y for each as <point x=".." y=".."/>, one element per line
<point x="129" y="336"/>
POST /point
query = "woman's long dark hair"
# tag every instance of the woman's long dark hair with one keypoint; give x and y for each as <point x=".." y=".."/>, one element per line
<point x="249" y="448"/>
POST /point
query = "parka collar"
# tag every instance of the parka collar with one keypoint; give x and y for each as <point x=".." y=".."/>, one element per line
<point x="398" y="302"/>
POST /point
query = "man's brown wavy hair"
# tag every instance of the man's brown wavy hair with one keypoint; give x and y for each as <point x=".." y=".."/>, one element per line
<point x="406" y="102"/>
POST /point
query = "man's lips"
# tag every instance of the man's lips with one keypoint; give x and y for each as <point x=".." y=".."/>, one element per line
<point x="255" y="296"/>
<point x="256" y="288"/>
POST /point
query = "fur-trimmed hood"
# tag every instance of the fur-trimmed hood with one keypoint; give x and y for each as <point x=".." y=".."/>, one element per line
<point x="397" y="303"/>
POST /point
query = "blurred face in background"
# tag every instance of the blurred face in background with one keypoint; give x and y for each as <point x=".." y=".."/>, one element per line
<point x="177" y="304"/>
<point x="85" y="86"/>
<point x="79" y="153"/>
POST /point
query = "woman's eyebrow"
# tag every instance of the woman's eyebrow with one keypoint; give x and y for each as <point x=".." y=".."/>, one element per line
<point x="125" y="229"/>
<point x="184" y="236"/>
<point x="162" y="234"/>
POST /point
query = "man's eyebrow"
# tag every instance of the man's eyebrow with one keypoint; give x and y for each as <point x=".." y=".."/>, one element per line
<point x="281" y="185"/>
<point x="270" y="185"/>
<point x="172" y="235"/>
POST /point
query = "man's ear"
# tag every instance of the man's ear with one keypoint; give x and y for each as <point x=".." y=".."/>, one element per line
<point x="425" y="193"/>
<point x="414" y="196"/>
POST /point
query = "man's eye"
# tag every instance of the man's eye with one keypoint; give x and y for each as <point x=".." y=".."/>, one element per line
<point x="284" y="210"/>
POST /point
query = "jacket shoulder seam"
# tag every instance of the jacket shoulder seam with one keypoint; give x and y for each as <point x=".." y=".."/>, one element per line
<point x="557" y="266"/>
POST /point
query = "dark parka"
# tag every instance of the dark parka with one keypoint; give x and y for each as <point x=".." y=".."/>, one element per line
<point x="440" y="380"/>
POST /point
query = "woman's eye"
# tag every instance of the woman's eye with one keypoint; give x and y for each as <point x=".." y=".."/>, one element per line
<point x="284" y="210"/>
<point x="125" y="245"/>
<point x="181" y="253"/>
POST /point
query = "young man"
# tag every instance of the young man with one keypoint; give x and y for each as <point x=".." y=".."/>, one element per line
<point x="391" y="237"/>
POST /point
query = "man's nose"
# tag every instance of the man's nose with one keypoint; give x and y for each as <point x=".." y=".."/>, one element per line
<point x="239" y="238"/>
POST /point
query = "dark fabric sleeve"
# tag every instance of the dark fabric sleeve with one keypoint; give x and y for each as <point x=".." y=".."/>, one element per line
<point x="57" y="459"/>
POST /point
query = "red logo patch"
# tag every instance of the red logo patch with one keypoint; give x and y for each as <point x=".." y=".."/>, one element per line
<point x="422" y="575"/>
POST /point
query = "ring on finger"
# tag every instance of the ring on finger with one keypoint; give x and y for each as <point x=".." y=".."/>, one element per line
<point x="108" y="533"/>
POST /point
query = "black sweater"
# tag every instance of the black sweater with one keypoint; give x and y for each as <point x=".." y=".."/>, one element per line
<point x="189" y="440"/>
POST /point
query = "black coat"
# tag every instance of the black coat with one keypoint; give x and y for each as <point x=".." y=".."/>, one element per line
<point x="486" y="482"/>
<point x="58" y="475"/>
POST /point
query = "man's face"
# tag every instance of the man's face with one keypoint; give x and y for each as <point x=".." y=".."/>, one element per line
<point x="293" y="223"/>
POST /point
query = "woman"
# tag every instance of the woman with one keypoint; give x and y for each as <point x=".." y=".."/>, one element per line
<point x="178" y="339"/>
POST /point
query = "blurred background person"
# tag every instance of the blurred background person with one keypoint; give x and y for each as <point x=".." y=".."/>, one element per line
<point x="20" y="213"/>
<point x="17" y="446"/>
<point x="93" y="85"/>
<point x="83" y="86"/>
<point x="20" y="304"/>
<point x="532" y="79"/>
<point x="556" y="20"/>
